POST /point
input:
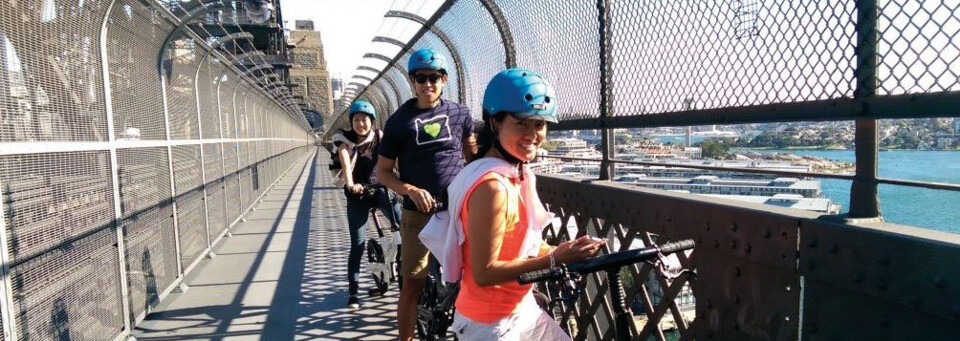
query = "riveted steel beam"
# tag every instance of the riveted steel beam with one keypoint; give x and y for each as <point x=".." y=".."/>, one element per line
<point x="193" y="15"/>
<point x="259" y="67"/>
<point x="382" y="39"/>
<point x="503" y="27"/>
<point x="441" y="10"/>
<point x="396" y="90"/>
<point x="367" y="68"/>
<point x="751" y="249"/>
<point x="231" y="37"/>
<point x="457" y="61"/>
<point x="249" y="55"/>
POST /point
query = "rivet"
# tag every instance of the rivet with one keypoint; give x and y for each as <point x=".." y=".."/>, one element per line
<point x="707" y="228"/>
<point x="733" y="227"/>
<point x="736" y="326"/>
<point x="716" y="244"/>
<point x="813" y="243"/>
<point x="858" y="277"/>
<point x="882" y="284"/>
<point x="747" y="248"/>
<point x="733" y="244"/>
<point x="767" y="233"/>
<point x="699" y="239"/>
<point x="736" y="299"/>
<point x="736" y="272"/>
<point x="709" y="304"/>
<point x="833" y="247"/>
<point x="784" y="234"/>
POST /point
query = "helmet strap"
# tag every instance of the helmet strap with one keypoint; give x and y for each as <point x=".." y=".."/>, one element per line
<point x="504" y="153"/>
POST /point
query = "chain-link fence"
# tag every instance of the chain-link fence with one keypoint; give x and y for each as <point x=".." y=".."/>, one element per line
<point x="130" y="143"/>
<point x="739" y="61"/>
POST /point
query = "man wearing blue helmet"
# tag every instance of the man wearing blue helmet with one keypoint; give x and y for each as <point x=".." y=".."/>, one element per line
<point x="427" y="138"/>
<point x="357" y="151"/>
<point x="496" y="212"/>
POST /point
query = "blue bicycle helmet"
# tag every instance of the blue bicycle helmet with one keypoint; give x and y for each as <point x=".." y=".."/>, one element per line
<point x="364" y="107"/>
<point x="427" y="58"/>
<point x="523" y="93"/>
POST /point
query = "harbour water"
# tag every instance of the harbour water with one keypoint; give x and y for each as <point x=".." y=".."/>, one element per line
<point x="934" y="209"/>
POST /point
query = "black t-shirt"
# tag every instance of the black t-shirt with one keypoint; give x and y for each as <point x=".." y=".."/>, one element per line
<point x="366" y="154"/>
<point x="427" y="144"/>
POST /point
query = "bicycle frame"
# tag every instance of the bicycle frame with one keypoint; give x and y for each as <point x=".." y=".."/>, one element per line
<point x="611" y="263"/>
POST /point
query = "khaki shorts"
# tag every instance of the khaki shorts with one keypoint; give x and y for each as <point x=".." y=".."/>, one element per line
<point x="414" y="256"/>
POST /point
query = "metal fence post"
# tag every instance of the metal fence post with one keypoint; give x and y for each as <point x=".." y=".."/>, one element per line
<point x="6" y="288"/>
<point x="114" y="171"/>
<point x="864" y="202"/>
<point x="223" y="164"/>
<point x="173" y="190"/>
<point x="607" y="141"/>
<point x="203" y="159"/>
<point x="236" y="146"/>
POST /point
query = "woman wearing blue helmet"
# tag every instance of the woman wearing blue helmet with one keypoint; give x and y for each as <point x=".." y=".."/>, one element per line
<point x="495" y="209"/>
<point x="357" y="152"/>
<point x="428" y="140"/>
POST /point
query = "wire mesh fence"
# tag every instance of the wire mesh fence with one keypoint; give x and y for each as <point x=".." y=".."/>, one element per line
<point x="129" y="146"/>
<point x="684" y="63"/>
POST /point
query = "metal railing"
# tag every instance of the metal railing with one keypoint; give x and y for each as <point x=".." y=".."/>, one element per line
<point x="129" y="147"/>
<point x="762" y="273"/>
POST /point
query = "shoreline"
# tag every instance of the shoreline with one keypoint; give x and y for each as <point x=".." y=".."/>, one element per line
<point x="839" y="149"/>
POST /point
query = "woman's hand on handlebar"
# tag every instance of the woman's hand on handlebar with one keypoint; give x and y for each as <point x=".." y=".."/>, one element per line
<point x="422" y="199"/>
<point x="578" y="249"/>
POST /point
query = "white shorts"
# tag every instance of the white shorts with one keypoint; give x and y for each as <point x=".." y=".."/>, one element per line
<point x="528" y="322"/>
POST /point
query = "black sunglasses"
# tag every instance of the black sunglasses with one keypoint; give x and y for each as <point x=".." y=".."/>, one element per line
<point x="434" y="78"/>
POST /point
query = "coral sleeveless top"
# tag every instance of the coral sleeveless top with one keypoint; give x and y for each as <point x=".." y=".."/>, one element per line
<point x="493" y="303"/>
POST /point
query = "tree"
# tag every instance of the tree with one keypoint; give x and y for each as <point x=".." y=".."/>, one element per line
<point x="714" y="149"/>
<point x="550" y="145"/>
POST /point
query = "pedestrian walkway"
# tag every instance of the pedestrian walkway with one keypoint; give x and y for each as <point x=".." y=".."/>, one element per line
<point x="281" y="276"/>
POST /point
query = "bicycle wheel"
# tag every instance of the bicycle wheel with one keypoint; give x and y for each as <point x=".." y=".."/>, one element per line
<point x="375" y="256"/>
<point x="435" y="310"/>
<point x="425" y="311"/>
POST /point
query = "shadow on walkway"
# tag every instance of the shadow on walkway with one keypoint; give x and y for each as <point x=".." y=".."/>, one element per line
<point x="282" y="276"/>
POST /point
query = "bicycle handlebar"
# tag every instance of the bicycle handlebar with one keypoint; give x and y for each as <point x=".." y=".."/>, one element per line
<point x="607" y="262"/>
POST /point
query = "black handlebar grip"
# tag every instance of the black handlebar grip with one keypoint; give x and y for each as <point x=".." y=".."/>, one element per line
<point x="676" y="246"/>
<point x="540" y="275"/>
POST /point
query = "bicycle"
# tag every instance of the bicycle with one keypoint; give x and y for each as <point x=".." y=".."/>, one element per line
<point x="569" y="275"/>
<point x="435" y="307"/>
<point x="383" y="252"/>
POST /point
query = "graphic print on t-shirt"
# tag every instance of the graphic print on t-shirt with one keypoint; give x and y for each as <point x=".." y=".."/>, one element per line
<point x="434" y="129"/>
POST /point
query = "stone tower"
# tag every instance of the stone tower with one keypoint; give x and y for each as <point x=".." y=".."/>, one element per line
<point x="309" y="71"/>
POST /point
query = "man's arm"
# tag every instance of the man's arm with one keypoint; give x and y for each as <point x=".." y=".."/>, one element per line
<point x="387" y="177"/>
<point x="470" y="147"/>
